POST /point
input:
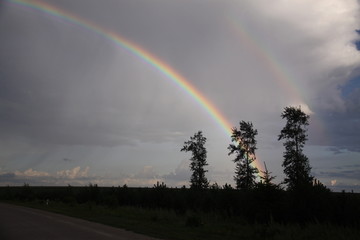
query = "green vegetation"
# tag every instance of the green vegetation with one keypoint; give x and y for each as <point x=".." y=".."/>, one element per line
<point x="168" y="223"/>
<point x="263" y="204"/>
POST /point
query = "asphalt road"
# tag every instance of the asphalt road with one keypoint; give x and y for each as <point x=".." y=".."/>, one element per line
<point x="26" y="223"/>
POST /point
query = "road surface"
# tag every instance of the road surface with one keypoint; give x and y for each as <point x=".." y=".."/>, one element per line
<point x="26" y="223"/>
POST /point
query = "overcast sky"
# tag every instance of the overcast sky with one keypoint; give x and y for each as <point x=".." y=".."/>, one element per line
<point x="76" y="108"/>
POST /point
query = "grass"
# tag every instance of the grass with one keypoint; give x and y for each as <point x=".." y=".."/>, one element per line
<point x="167" y="224"/>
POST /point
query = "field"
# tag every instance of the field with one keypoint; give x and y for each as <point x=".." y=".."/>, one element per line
<point x="211" y="214"/>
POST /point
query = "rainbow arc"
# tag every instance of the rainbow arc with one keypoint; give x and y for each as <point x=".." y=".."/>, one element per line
<point x="161" y="66"/>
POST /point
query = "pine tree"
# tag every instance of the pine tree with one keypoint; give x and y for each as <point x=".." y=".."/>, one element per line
<point x="267" y="178"/>
<point x="296" y="164"/>
<point x="244" y="146"/>
<point x="198" y="160"/>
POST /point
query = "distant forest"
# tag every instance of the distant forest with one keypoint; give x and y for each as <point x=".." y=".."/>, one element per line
<point x="260" y="205"/>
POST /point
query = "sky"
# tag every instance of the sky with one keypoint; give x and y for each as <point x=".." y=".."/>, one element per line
<point x="86" y="95"/>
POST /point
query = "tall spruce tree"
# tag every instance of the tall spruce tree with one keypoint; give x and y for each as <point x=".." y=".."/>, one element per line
<point x="267" y="178"/>
<point x="244" y="146"/>
<point x="198" y="160"/>
<point x="296" y="164"/>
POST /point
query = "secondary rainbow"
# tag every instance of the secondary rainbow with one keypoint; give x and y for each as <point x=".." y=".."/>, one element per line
<point x="138" y="51"/>
<point x="281" y="76"/>
<point x="266" y="59"/>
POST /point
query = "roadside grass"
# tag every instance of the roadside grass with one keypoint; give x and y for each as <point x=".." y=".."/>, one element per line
<point x="167" y="224"/>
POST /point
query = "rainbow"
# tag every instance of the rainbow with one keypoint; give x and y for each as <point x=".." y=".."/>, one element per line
<point x="136" y="50"/>
<point x="281" y="76"/>
<point x="147" y="57"/>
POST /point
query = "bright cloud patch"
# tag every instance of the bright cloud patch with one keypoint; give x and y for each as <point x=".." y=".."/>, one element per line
<point x="31" y="173"/>
<point x="333" y="182"/>
<point x="73" y="173"/>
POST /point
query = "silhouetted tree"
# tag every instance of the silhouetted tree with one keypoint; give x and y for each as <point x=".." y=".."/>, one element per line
<point x="319" y="186"/>
<point x="198" y="160"/>
<point x="227" y="186"/>
<point x="159" y="185"/>
<point x="244" y="147"/>
<point x="267" y="178"/>
<point x="296" y="164"/>
<point x="215" y="186"/>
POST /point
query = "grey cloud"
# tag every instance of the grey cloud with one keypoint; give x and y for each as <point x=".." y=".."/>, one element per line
<point x="12" y="179"/>
<point x="74" y="176"/>
<point x="347" y="166"/>
<point x="335" y="150"/>
<point x="72" y="92"/>
<point x="345" y="187"/>
<point x="351" y="173"/>
<point x="357" y="42"/>
<point x="180" y="176"/>
<point x="343" y="127"/>
<point x="147" y="172"/>
<point x="68" y="160"/>
<point x="7" y="177"/>
<point x="40" y="71"/>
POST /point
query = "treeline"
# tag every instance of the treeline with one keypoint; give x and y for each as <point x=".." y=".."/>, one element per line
<point x="260" y="205"/>
<point x="243" y="145"/>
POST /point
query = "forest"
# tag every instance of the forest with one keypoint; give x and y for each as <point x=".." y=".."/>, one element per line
<point x="259" y="205"/>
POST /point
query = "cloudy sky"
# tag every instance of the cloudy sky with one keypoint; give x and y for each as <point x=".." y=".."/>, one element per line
<point x="77" y="108"/>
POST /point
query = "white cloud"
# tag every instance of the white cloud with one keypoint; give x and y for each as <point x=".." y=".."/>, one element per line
<point x="32" y="173"/>
<point x="333" y="182"/>
<point x="76" y="172"/>
<point x="146" y="177"/>
<point x="74" y="176"/>
<point x="135" y="182"/>
<point x="304" y="107"/>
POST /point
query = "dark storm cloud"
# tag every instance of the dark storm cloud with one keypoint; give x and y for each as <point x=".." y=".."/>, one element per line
<point x="357" y="42"/>
<point x="345" y="187"/>
<point x="335" y="150"/>
<point x="351" y="166"/>
<point x="7" y="177"/>
<point x="351" y="172"/>
<point x="344" y="127"/>
<point x="12" y="180"/>
<point x="345" y="174"/>
<point x="68" y="160"/>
